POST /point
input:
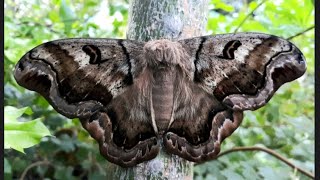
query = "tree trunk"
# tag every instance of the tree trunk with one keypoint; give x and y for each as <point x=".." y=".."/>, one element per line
<point x="169" y="19"/>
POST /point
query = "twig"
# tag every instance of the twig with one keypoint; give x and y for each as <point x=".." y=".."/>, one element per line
<point x="269" y="151"/>
<point x="248" y="15"/>
<point x="38" y="163"/>
<point x="300" y="33"/>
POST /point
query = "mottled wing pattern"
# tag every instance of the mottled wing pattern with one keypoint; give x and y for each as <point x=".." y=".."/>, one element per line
<point x="233" y="73"/>
<point x="245" y="69"/>
<point x="90" y="79"/>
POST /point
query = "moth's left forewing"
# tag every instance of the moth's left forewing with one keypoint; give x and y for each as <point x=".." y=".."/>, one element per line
<point x="271" y="61"/>
<point x="244" y="70"/>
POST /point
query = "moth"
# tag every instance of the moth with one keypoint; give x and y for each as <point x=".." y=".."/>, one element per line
<point x="134" y="97"/>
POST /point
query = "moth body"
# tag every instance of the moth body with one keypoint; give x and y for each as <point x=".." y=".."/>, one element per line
<point x="162" y="98"/>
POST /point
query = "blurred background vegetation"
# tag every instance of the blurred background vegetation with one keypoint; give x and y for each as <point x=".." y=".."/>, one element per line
<point x="285" y="125"/>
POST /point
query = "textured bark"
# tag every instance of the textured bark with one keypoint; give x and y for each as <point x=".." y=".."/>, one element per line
<point x="170" y="19"/>
<point x="164" y="166"/>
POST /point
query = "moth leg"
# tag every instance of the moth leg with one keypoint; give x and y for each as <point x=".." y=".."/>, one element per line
<point x="116" y="145"/>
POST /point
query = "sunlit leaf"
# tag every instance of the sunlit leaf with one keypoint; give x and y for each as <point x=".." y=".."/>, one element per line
<point x="12" y="113"/>
<point x="20" y="135"/>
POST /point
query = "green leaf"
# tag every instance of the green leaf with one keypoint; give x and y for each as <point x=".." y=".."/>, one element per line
<point x="20" y="135"/>
<point x="7" y="170"/>
<point x="96" y="175"/>
<point x="53" y="16"/>
<point x="223" y="6"/>
<point x="12" y="113"/>
<point x="230" y="174"/>
<point x="63" y="173"/>
<point x="66" y="143"/>
<point x="67" y="15"/>
<point x="269" y="173"/>
<point x="248" y="170"/>
<point x="65" y="11"/>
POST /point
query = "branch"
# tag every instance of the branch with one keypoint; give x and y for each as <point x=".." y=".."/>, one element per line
<point x="300" y="33"/>
<point x="38" y="163"/>
<point x="269" y="151"/>
<point x="248" y="15"/>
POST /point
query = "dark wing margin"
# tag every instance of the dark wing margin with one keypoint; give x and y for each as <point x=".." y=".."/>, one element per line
<point x="82" y="78"/>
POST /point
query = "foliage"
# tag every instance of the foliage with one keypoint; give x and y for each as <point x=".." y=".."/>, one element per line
<point x="285" y="125"/>
<point x="19" y="135"/>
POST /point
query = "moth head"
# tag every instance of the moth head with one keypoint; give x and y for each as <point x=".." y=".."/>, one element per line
<point x="161" y="53"/>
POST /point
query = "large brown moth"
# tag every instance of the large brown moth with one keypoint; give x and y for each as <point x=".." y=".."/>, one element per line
<point x="132" y="96"/>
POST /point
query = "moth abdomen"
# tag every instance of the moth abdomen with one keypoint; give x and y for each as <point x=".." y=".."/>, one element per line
<point x="163" y="97"/>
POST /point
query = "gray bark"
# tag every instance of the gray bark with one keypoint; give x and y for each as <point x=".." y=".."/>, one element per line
<point x="170" y="19"/>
